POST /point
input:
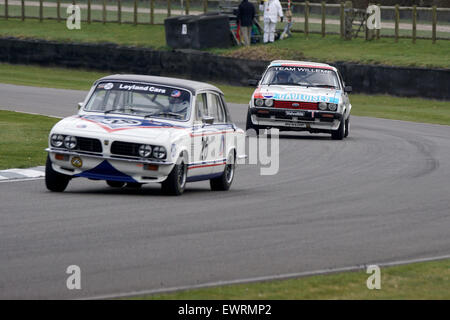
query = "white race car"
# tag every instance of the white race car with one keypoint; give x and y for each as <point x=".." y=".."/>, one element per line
<point x="135" y="129"/>
<point x="301" y="96"/>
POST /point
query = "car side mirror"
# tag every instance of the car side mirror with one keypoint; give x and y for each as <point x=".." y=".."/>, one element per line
<point x="80" y="105"/>
<point x="348" y="89"/>
<point x="252" y="82"/>
<point x="208" y="120"/>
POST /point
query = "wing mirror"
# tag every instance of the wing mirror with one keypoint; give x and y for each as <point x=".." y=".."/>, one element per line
<point x="348" y="89"/>
<point x="252" y="82"/>
<point x="80" y="105"/>
<point x="208" y="120"/>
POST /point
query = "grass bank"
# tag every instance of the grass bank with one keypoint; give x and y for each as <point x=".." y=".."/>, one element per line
<point x="328" y="49"/>
<point x="428" y="280"/>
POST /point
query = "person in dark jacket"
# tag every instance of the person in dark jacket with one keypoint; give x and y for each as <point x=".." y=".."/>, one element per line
<point x="245" y="16"/>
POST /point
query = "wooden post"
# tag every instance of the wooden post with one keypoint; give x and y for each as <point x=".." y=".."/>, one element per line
<point x="397" y="21"/>
<point x="152" y="11"/>
<point x="342" y="20"/>
<point x="414" y="24"/>
<point x="324" y="8"/>
<point x="434" y="24"/>
<point x="41" y="10"/>
<point x="205" y="6"/>
<point x="119" y="12"/>
<point x="306" y="18"/>
<point x="89" y="12"/>
<point x="135" y="12"/>
<point x="188" y="2"/>
<point x="104" y="12"/>
<point x="23" y="10"/>
<point x="6" y="9"/>
<point x="169" y="8"/>
<point x="378" y="30"/>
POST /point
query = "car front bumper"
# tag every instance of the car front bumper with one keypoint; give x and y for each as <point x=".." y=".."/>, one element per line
<point x="103" y="167"/>
<point x="296" y="120"/>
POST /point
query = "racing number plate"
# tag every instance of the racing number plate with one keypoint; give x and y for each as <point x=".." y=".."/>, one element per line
<point x="295" y="124"/>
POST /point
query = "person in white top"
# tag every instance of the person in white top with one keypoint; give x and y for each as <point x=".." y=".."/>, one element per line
<point x="272" y="10"/>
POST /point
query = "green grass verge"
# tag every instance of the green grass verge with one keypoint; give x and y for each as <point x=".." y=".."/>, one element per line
<point x="380" y="106"/>
<point x="328" y="49"/>
<point x="23" y="138"/>
<point x="429" y="280"/>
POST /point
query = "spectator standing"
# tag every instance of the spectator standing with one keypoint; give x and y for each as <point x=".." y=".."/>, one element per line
<point x="245" y="16"/>
<point x="272" y="10"/>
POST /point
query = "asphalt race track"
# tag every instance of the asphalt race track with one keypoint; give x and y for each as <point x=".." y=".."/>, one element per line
<point x="382" y="195"/>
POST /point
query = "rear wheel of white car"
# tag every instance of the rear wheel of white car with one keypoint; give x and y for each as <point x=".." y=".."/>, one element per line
<point x="347" y="127"/>
<point x="115" y="184"/>
<point x="55" y="181"/>
<point x="176" y="181"/>
<point x="223" y="183"/>
<point x="340" y="132"/>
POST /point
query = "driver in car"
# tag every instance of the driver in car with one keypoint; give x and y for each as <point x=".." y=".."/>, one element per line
<point x="283" y="78"/>
<point x="178" y="102"/>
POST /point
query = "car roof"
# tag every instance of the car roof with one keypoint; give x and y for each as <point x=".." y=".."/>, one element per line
<point x="190" y="85"/>
<point x="301" y="64"/>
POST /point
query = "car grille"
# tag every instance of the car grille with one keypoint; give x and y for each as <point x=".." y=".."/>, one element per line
<point x="125" y="148"/>
<point x="296" y="105"/>
<point x="89" y="145"/>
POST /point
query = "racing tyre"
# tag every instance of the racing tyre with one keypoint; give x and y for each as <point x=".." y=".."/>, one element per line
<point x="249" y="125"/>
<point x="115" y="184"/>
<point x="223" y="183"/>
<point x="340" y="132"/>
<point x="55" y="181"/>
<point x="176" y="181"/>
<point x="347" y="127"/>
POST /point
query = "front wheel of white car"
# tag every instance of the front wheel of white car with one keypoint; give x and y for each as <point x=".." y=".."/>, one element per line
<point x="223" y="183"/>
<point x="340" y="132"/>
<point x="55" y="181"/>
<point x="347" y="127"/>
<point x="176" y="181"/>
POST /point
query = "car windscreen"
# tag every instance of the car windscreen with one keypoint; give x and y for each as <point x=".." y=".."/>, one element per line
<point x="140" y="99"/>
<point x="301" y="76"/>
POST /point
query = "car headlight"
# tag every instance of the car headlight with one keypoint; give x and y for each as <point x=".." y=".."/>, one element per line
<point x="57" y="140"/>
<point x="322" y="106"/>
<point x="159" y="152"/>
<point x="259" y="102"/>
<point x="268" y="102"/>
<point x="332" y="106"/>
<point x="70" y="142"/>
<point x="145" y="151"/>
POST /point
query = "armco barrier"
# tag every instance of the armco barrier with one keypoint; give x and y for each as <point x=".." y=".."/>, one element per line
<point x="371" y="79"/>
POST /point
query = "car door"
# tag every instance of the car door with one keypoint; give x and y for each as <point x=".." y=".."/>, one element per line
<point x="200" y="164"/>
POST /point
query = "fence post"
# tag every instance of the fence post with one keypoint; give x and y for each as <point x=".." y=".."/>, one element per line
<point x="119" y="12"/>
<point x="342" y="20"/>
<point x="135" y="12"/>
<point x="169" y="8"/>
<point x="205" y="6"/>
<point x="378" y="30"/>
<point x="6" y="9"/>
<point x="41" y="10"/>
<point x="434" y="24"/>
<point x="152" y="11"/>
<point x="414" y="24"/>
<point x="89" y="12"/>
<point x="397" y="20"/>
<point x="23" y="10"/>
<point x="306" y="18"/>
<point x="188" y="2"/>
<point x="104" y="12"/>
<point x="324" y="8"/>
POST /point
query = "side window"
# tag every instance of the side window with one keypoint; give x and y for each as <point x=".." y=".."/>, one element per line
<point x="200" y="105"/>
<point x="215" y="109"/>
